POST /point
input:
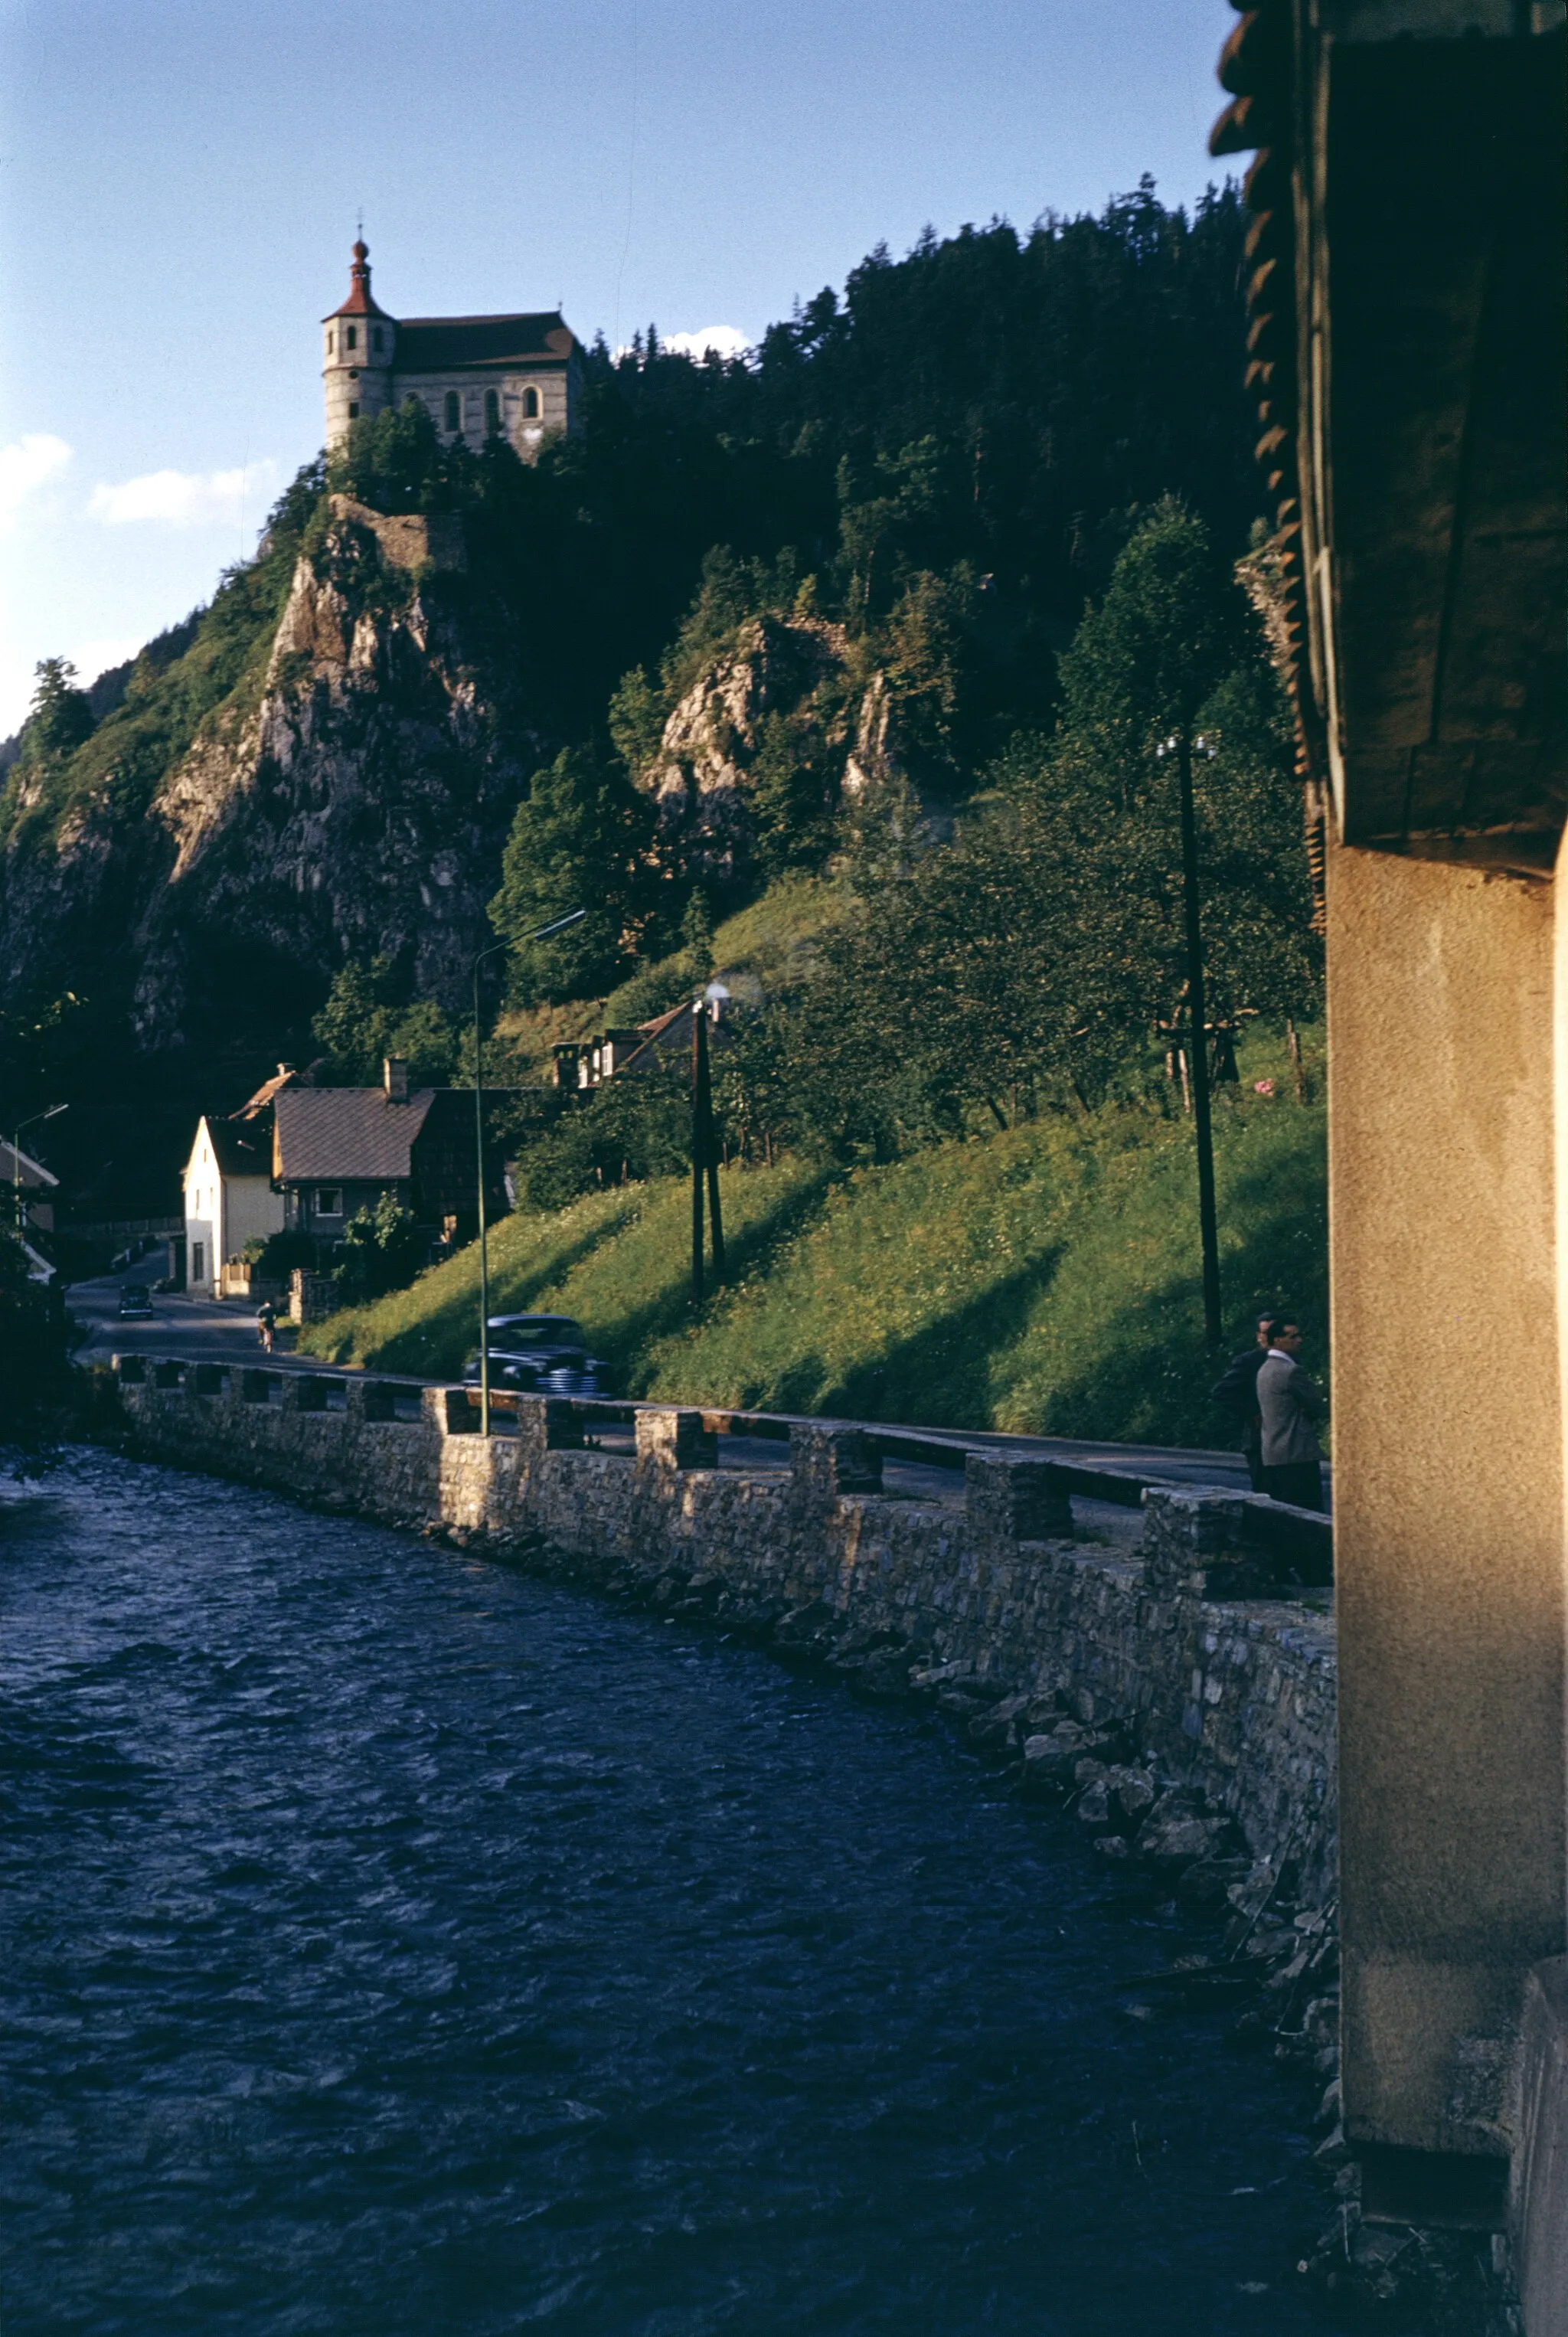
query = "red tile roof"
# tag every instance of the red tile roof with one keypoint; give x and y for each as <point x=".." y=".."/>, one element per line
<point x="359" y="302"/>
<point x="345" y="1133"/>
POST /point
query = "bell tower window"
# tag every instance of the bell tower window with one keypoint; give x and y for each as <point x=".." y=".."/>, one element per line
<point x="330" y="338"/>
<point x="531" y="406"/>
<point x="353" y="342"/>
<point x="354" y="409"/>
<point x="452" y="419"/>
<point x="375" y="336"/>
<point x="491" y="413"/>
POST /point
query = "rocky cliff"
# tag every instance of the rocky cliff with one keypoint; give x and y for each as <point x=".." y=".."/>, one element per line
<point x="350" y="796"/>
<point x="793" y="679"/>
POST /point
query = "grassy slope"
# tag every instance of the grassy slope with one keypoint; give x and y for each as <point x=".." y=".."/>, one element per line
<point x="1044" y="1279"/>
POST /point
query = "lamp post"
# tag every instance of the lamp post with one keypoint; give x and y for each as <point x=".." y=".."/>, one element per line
<point x="1183" y="746"/>
<point x="54" y="1112"/>
<point x="539" y="933"/>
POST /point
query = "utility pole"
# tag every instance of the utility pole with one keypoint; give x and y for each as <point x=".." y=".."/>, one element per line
<point x="697" y="1150"/>
<point x="710" y="1143"/>
<point x="1198" y="1051"/>
<point x="557" y="926"/>
<point x="703" y="1155"/>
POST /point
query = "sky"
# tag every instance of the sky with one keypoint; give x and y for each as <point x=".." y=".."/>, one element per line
<point x="180" y="181"/>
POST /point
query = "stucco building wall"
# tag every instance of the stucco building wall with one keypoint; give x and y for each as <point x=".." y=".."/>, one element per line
<point x="1445" y="1020"/>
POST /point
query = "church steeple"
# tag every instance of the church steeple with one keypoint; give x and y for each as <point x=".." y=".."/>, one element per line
<point x="358" y="341"/>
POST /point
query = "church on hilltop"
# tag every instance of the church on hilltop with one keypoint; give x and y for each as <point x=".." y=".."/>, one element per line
<point x="516" y="378"/>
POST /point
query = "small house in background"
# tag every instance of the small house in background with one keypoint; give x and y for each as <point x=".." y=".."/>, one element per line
<point x="228" y="1199"/>
<point x="339" y="1150"/>
<point x="666" y="1039"/>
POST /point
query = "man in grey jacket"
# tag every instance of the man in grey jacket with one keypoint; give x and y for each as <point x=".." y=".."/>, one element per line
<point x="1291" y="1406"/>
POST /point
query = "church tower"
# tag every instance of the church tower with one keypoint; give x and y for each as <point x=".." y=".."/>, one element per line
<point x="357" y="348"/>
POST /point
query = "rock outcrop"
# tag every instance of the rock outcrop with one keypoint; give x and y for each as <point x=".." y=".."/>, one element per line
<point x="796" y="668"/>
<point x="354" y="799"/>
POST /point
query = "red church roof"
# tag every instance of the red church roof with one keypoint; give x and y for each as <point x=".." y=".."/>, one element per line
<point x="359" y="302"/>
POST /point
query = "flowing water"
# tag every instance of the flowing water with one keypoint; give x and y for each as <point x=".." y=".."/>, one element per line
<point x="395" y="1943"/>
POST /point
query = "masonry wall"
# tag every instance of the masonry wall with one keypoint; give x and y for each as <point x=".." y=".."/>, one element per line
<point x="1235" y="1692"/>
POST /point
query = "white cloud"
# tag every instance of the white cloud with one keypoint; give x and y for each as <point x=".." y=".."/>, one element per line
<point x="188" y="498"/>
<point x="724" y="339"/>
<point x="27" y="465"/>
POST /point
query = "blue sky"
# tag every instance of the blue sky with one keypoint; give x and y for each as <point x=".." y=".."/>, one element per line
<point x="179" y="182"/>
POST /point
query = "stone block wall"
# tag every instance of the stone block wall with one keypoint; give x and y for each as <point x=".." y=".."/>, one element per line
<point x="1229" y="1687"/>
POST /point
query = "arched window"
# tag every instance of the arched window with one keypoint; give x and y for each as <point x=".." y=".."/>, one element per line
<point x="531" y="406"/>
<point x="453" y="420"/>
<point x="491" y="413"/>
<point x="352" y="337"/>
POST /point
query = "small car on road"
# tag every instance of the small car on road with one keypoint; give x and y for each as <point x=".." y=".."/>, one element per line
<point x="543" y="1355"/>
<point x="135" y="1304"/>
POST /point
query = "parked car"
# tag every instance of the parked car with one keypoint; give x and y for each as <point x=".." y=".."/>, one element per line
<point x="543" y="1355"/>
<point x="135" y="1301"/>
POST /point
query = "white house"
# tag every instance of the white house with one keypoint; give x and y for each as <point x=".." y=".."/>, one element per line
<point x="228" y="1199"/>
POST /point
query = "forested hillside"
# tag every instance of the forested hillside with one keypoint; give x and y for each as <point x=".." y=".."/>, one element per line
<point x="795" y="622"/>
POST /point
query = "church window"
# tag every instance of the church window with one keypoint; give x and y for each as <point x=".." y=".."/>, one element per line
<point x="453" y="420"/>
<point x="330" y="338"/>
<point x="354" y="409"/>
<point x="491" y="411"/>
<point x="375" y="336"/>
<point x="531" y="406"/>
<point x="353" y="341"/>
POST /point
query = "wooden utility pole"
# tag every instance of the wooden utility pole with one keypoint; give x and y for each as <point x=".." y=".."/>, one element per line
<point x="1198" y="1051"/>
<point x="703" y="1155"/>
<point x="710" y="1142"/>
<point x="697" y="1148"/>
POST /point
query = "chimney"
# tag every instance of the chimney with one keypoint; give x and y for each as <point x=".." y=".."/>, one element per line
<point x="395" y="1073"/>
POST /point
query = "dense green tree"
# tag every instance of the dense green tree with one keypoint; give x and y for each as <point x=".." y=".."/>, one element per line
<point x="579" y="840"/>
<point x="59" y="718"/>
<point x="368" y="1016"/>
<point x="382" y="1249"/>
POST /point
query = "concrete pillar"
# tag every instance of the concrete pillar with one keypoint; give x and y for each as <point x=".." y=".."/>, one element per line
<point x="673" y="1439"/>
<point x="827" y="1462"/>
<point x="1449" y="1497"/>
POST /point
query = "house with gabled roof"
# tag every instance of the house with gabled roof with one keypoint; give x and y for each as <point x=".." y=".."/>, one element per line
<point x="228" y="1197"/>
<point x="336" y="1151"/>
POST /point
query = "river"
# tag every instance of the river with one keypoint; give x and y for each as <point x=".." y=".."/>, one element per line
<point x="395" y="1943"/>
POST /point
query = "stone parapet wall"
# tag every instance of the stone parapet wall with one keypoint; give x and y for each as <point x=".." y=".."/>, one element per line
<point x="1234" y="1692"/>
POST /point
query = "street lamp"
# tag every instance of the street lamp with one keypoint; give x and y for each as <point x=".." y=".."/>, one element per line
<point x="54" y="1112"/>
<point x="541" y="934"/>
<point x="1183" y="746"/>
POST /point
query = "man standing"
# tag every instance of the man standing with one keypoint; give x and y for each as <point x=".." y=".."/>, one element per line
<point x="1237" y="1392"/>
<point x="1291" y="1406"/>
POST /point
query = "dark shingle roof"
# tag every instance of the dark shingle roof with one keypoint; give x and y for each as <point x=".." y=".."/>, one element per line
<point x="345" y="1133"/>
<point x="241" y="1149"/>
<point x="439" y="344"/>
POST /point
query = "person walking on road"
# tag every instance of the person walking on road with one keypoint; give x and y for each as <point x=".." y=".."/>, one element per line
<point x="1291" y="1406"/>
<point x="1237" y="1392"/>
<point x="265" y="1323"/>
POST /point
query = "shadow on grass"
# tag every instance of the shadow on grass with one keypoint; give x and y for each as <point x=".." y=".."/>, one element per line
<point x="939" y="1377"/>
<point x="1152" y="1369"/>
<point x="441" y="1341"/>
<point x="748" y="1250"/>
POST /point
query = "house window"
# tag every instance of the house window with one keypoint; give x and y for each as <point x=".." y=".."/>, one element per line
<point x="353" y="341"/>
<point x="453" y="420"/>
<point x="198" y="1261"/>
<point x="328" y="1202"/>
<point x="531" y="406"/>
<point x="353" y="410"/>
<point x="491" y="413"/>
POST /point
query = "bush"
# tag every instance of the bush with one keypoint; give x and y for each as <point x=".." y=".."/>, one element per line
<point x="382" y="1249"/>
<point x="276" y="1258"/>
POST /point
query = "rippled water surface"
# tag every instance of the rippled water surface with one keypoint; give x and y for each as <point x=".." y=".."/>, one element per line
<point x="394" y="1943"/>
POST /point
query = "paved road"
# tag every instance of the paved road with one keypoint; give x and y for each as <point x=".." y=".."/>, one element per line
<point x="223" y="1331"/>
